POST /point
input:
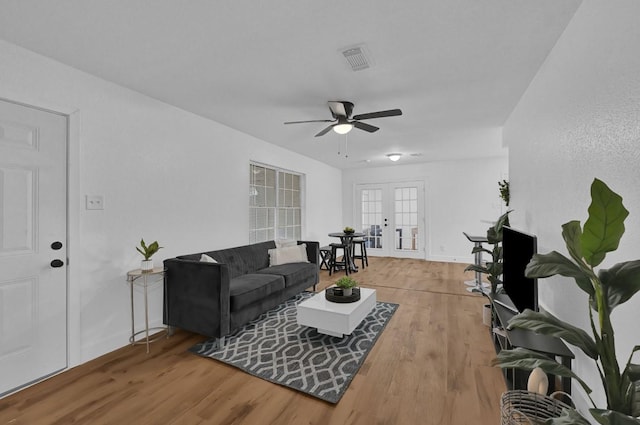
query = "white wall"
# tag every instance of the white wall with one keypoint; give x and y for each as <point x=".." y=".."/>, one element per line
<point x="166" y="174"/>
<point x="461" y="196"/>
<point x="580" y="119"/>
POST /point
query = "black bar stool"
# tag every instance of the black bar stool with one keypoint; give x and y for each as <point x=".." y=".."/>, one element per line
<point x="346" y="260"/>
<point x="363" y="251"/>
<point x="325" y="258"/>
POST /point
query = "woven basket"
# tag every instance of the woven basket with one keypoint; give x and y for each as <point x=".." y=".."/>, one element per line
<point x="524" y="407"/>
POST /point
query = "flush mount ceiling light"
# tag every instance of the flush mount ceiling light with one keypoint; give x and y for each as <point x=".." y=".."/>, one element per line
<point x="343" y="128"/>
<point x="394" y="156"/>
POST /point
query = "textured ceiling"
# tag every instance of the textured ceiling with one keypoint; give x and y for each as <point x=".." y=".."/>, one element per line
<point x="456" y="68"/>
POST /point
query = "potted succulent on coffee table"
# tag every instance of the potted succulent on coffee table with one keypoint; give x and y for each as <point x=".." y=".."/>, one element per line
<point x="347" y="284"/>
<point x="147" y="252"/>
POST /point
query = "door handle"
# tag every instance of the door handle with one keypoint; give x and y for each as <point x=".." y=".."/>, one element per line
<point x="57" y="263"/>
<point x="56" y="245"/>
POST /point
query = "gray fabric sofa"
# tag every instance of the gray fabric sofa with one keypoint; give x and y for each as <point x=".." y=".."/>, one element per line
<point x="214" y="299"/>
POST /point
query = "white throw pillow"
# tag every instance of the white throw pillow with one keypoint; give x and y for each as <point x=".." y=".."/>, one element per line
<point x="289" y="254"/>
<point x="206" y="259"/>
<point x="283" y="243"/>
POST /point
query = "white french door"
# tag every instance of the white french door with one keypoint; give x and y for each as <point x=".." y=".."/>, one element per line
<point x="391" y="215"/>
<point x="33" y="245"/>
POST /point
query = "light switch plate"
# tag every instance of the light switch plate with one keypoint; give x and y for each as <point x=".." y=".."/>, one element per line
<point x="95" y="202"/>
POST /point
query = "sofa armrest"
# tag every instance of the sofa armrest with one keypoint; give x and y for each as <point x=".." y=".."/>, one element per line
<point x="313" y="251"/>
<point x="197" y="296"/>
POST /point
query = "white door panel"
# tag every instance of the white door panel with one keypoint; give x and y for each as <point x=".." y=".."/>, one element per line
<point x="33" y="294"/>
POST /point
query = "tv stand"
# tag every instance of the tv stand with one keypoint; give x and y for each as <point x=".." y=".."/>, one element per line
<point x="504" y="339"/>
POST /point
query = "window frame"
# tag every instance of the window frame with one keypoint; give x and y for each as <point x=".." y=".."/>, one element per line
<point x="284" y="217"/>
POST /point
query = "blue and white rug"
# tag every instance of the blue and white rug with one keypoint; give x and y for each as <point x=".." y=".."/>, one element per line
<point x="274" y="347"/>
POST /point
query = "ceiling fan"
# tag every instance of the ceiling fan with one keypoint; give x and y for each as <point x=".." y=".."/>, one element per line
<point x="343" y="122"/>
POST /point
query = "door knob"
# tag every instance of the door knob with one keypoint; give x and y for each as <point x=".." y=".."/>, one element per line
<point x="56" y="245"/>
<point x="57" y="263"/>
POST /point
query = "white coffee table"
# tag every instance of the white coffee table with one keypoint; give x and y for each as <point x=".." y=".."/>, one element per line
<point x="335" y="319"/>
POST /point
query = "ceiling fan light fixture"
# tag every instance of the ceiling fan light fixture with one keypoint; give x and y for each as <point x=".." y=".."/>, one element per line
<point x="343" y="128"/>
<point x="394" y="156"/>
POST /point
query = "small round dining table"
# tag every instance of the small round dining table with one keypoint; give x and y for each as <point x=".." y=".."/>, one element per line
<point x="346" y="239"/>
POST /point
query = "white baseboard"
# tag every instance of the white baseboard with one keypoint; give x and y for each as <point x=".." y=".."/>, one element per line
<point x="111" y="343"/>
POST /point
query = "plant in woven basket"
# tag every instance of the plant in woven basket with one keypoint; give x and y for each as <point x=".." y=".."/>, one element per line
<point x="492" y="268"/>
<point x="607" y="289"/>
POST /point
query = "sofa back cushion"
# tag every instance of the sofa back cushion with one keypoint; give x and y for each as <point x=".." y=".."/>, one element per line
<point x="240" y="260"/>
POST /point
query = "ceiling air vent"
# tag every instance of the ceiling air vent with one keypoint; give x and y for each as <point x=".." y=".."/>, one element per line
<point x="357" y="57"/>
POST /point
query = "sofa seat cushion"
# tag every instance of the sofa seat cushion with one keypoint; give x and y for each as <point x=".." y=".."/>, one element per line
<point x="293" y="273"/>
<point x="249" y="288"/>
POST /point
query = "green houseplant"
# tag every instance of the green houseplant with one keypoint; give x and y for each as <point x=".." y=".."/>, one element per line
<point x="347" y="284"/>
<point x="492" y="268"/>
<point x="607" y="289"/>
<point x="504" y="191"/>
<point x="147" y="252"/>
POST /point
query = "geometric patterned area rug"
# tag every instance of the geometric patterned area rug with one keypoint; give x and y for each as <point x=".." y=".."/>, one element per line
<point x="275" y="348"/>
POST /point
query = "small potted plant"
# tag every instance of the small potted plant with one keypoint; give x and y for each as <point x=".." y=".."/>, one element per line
<point x="147" y="251"/>
<point x="349" y="230"/>
<point x="347" y="284"/>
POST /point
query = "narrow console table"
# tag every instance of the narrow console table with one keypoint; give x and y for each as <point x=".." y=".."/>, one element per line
<point x="504" y="339"/>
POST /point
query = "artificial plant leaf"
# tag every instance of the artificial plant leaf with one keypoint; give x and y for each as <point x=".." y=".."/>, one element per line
<point x="495" y="268"/>
<point x="605" y="225"/>
<point x="572" y="234"/>
<point x="546" y="324"/>
<point x="142" y="244"/>
<point x="476" y="268"/>
<point x="480" y="249"/>
<point x="521" y="358"/>
<point x="545" y="265"/>
<point x="494" y="233"/>
<point x="621" y="282"/>
<point x="568" y="417"/>
<point x="632" y="371"/>
<point x="493" y="237"/>
<point x="610" y="417"/>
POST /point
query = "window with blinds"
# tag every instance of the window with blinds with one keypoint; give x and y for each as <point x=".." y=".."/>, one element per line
<point x="275" y="204"/>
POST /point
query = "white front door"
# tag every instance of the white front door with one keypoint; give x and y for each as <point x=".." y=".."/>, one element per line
<point x="392" y="217"/>
<point x="33" y="234"/>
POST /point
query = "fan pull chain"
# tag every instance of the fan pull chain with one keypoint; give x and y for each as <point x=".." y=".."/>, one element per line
<point x="346" y="145"/>
<point x="338" y="147"/>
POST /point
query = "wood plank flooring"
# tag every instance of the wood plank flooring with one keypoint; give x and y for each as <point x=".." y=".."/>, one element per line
<point x="430" y="366"/>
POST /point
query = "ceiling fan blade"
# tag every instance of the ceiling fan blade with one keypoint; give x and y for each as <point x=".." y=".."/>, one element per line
<point x="340" y="108"/>
<point x="379" y="114"/>
<point x="302" y="122"/>
<point x="325" y="131"/>
<point x="364" y="126"/>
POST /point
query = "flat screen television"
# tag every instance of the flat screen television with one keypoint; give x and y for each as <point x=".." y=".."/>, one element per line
<point x="517" y="249"/>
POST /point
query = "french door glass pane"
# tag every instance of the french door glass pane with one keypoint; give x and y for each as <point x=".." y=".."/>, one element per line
<point x="406" y="218"/>
<point x="371" y="200"/>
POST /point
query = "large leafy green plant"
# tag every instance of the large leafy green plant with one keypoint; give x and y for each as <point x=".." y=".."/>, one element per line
<point x="607" y="289"/>
<point x="493" y="268"/>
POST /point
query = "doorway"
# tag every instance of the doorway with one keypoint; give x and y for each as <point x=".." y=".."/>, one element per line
<point x="33" y="244"/>
<point x="391" y="215"/>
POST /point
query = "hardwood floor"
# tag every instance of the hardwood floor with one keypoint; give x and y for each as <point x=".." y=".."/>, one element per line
<point x="431" y="365"/>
